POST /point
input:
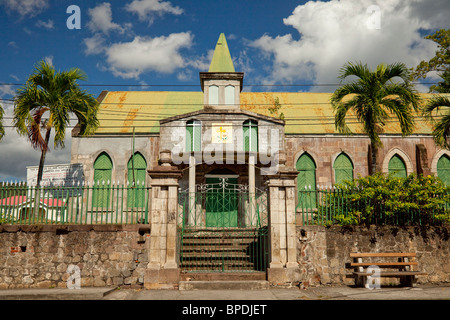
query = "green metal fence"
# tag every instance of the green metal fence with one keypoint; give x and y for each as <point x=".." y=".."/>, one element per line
<point x="334" y="205"/>
<point x="223" y="228"/>
<point x="99" y="203"/>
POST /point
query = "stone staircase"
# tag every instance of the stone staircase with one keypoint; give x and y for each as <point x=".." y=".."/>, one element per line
<point x="232" y="250"/>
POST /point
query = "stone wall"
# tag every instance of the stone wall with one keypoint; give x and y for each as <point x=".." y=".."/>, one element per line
<point x="114" y="255"/>
<point x="323" y="253"/>
<point x="39" y="256"/>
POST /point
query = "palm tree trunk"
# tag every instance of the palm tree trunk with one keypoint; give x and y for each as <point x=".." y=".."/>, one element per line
<point x="43" y="154"/>
<point x="372" y="155"/>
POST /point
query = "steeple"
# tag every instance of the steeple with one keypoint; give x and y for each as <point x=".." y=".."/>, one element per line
<point x="221" y="61"/>
<point x="221" y="85"/>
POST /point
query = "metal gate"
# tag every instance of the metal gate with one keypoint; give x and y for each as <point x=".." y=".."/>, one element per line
<point x="222" y="228"/>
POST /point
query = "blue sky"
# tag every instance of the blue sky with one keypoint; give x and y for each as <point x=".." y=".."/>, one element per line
<point x="158" y="42"/>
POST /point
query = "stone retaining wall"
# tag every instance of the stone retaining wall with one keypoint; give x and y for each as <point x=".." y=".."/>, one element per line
<point x="115" y="255"/>
<point x="39" y="256"/>
<point x="323" y="253"/>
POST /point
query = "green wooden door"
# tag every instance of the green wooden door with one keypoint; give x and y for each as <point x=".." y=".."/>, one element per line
<point x="306" y="181"/>
<point x="221" y="203"/>
<point x="136" y="187"/>
<point x="443" y="169"/>
<point x="250" y="130"/>
<point x="343" y="169"/>
<point x="193" y="136"/>
<point x="397" y="167"/>
<point x="102" y="180"/>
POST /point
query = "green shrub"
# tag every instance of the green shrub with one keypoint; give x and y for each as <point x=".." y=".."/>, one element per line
<point x="381" y="199"/>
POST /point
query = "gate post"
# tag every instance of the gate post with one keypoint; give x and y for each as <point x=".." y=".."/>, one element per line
<point x="283" y="266"/>
<point x="162" y="269"/>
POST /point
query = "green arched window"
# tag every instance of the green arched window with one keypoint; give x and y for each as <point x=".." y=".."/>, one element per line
<point x="306" y="181"/>
<point x="102" y="179"/>
<point x="136" y="181"/>
<point x="443" y="169"/>
<point x="343" y="169"/>
<point x="250" y="129"/>
<point x="397" y="167"/>
<point x="193" y="136"/>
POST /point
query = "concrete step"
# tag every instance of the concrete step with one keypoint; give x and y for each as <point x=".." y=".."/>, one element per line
<point x="224" y="285"/>
<point x="223" y="276"/>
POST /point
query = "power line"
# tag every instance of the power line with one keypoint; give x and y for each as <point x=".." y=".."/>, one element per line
<point x="183" y="126"/>
<point x="197" y="85"/>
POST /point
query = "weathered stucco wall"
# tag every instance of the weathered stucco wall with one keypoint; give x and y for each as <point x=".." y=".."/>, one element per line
<point x="39" y="256"/>
<point x="323" y="253"/>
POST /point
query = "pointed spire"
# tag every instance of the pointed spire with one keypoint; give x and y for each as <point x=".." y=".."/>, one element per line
<point x="221" y="61"/>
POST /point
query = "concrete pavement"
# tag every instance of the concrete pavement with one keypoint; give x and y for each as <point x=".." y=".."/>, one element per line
<point x="420" y="292"/>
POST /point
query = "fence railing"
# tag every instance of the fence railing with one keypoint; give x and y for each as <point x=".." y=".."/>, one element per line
<point x="100" y="203"/>
<point x="339" y="206"/>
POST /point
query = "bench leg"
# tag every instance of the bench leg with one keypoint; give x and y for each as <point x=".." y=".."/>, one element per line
<point x="359" y="281"/>
<point x="408" y="281"/>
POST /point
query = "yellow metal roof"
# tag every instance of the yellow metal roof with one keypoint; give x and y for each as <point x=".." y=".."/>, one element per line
<point x="312" y="113"/>
<point x="305" y="113"/>
<point x="120" y="111"/>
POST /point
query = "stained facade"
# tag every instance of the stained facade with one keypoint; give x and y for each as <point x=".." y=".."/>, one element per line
<point x="222" y="139"/>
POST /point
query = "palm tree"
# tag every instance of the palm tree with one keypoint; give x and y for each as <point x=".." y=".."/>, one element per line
<point x="441" y="130"/>
<point x="2" y="129"/>
<point x="45" y="102"/>
<point x="374" y="98"/>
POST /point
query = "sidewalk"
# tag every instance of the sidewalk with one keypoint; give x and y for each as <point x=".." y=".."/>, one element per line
<point x="420" y="292"/>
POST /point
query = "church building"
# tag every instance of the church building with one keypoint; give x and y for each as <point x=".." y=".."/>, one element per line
<point x="222" y="166"/>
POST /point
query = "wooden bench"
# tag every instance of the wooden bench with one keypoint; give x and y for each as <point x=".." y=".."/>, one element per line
<point x="403" y="267"/>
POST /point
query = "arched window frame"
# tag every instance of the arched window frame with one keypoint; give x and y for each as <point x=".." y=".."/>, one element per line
<point x="103" y="166"/>
<point x="342" y="173"/>
<point x="402" y="173"/>
<point x="306" y="181"/>
<point x="136" y="188"/>
<point x="229" y="94"/>
<point x="250" y="134"/>
<point x="443" y="169"/>
<point x="213" y="95"/>
<point x="193" y="135"/>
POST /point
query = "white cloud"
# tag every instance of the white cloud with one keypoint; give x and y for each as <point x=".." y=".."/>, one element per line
<point x="95" y="44"/>
<point x="47" y="25"/>
<point x="101" y="19"/>
<point x="160" y="54"/>
<point x="334" y="32"/>
<point x="29" y="8"/>
<point x="147" y="9"/>
<point x="49" y="60"/>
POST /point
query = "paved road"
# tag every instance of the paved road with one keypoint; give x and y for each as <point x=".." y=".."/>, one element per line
<point x="420" y="292"/>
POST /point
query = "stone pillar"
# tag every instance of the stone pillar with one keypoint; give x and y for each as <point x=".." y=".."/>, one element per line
<point x="162" y="270"/>
<point x="283" y="266"/>
<point x="422" y="160"/>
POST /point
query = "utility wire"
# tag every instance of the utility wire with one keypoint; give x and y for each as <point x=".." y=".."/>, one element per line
<point x="197" y="85"/>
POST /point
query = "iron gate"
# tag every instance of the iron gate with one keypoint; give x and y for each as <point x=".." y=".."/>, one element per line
<point x="222" y="227"/>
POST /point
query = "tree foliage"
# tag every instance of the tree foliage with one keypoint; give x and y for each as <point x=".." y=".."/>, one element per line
<point x="439" y="63"/>
<point x="46" y="101"/>
<point x="437" y="110"/>
<point x="382" y="199"/>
